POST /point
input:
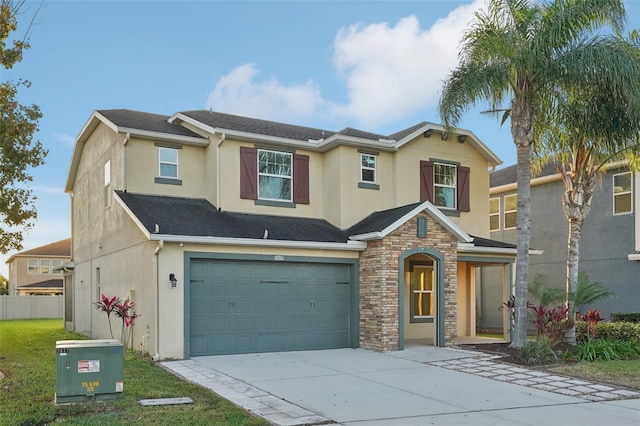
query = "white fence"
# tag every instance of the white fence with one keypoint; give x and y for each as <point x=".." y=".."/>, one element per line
<point x="31" y="307"/>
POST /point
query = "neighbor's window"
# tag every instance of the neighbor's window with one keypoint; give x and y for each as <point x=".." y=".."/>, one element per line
<point x="168" y="165"/>
<point x="55" y="263"/>
<point x="33" y="266"/>
<point x="444" y="185"/>
<point x="45" y="266"/>
<point x="510" y="211"/>
<point x="422" y="293"/>
<point x="494" y="214"/>
<point x="622" y="193"/>
<point x="275" y="173"/>
<point x="367" y="168"/>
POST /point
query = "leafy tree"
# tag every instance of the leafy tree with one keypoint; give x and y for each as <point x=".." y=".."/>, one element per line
<point x="591" y="129"/>
<point x="18" y="150"/>
<point x="4" y="285"/>
<point x="515" y="55"/>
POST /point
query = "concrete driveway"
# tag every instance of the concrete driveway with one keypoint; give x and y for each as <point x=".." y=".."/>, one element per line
<point x="418" y="386"/>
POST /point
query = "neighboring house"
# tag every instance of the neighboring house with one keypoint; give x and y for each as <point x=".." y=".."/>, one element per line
<point x="610" y="246"/>
<point x="36" y="271"/>
<point x="236" y="235"/>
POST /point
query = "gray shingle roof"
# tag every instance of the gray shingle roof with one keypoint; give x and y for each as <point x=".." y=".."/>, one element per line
<point x="54" y="283"/>
<point x="507" y="175"/>
<point x="60" y="248"/>
<point x="254" y="125"/>
<point x="197" y="217"/>
<point x="378" y="221"/>
<point x="144" y="121"/>
<point x="486" y="242"/>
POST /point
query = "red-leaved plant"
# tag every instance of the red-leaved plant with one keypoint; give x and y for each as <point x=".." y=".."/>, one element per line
<point x="108" y="305"/>
<point x="592" y="318"/>
<point x="121" y="309"/>
<point x="552" y="323"/>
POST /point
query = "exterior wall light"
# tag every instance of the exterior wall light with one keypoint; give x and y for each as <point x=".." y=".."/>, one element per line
<point x="173" y="279"/>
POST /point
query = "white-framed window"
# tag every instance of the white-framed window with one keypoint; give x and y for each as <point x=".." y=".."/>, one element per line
<point x="168" y="162"/>
<point x="275" y="175"/>
<point x="510" y="211"/>
<point x="368" y="168"/>
<point x="622" y="193"/>
<point x="32" y="266"/>
<point x="107" y="183"/>
<point x="423" y="301"/>
<point x="444" y="185"/>
<point x="55" y="263"/>
<point x="45" y="266"/>
<point x="494" y="214"/>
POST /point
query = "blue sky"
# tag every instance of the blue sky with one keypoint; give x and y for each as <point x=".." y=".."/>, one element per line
<point x="373" y="65"/>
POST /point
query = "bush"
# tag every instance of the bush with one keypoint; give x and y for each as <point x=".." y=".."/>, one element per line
<point x="538" y="351"/>
<point x="609" y="330"/>
<point x="607" y="350"/>
<point x="626" y="317"/>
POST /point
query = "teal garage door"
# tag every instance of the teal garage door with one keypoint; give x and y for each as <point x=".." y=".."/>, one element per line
<point x="255" y="306"/>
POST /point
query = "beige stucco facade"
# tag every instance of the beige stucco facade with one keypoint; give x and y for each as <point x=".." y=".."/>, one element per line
<point x="114" y="254"/>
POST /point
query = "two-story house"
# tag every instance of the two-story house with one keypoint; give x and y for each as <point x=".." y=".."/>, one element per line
<point x="610" y="246"/>
<point x="36" y="271"/>
<point x="237" y="235"/>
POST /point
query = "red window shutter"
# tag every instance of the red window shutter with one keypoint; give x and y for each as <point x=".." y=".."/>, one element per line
<point x="463" y="189"/>
<point x="248" y="173"/>
<point x="426" y="181"/>
<point x="301" y="179"/>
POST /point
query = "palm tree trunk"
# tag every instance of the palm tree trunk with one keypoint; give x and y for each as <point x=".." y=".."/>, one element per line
<point x="523" y="240"/>
<point x="573" y="263"/>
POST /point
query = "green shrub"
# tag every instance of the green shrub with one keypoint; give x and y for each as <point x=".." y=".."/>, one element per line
<point x="626" y="317"/>
<point x="607" y="350"/>
<point x="538" y="351"/>
<point x="609" y="330"/>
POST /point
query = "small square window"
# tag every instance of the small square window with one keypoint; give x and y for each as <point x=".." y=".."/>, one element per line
<point x="622" y="193"/>
<point x="168" y="164"/>
<point x="367" y="168"/>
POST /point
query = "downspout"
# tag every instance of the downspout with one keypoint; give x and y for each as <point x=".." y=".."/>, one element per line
<point x="156" y="344"/>
<point x="124" y="161"/>
<point x="222" y="138"/>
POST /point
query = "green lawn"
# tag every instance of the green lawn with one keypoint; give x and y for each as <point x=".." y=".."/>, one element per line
<point x="623" y="373"/>
<point x="27" y="360"/>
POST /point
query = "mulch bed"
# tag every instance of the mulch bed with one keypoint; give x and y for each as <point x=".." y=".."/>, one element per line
<point x="512" y="355"/>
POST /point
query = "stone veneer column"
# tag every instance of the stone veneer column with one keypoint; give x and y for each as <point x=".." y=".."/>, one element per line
<point x="379" y="321"/>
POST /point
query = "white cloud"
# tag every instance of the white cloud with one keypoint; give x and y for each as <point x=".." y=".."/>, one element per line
<point x="390" y="72"/>
<point x="64" y="139"/>
<point x="239" y="92"/>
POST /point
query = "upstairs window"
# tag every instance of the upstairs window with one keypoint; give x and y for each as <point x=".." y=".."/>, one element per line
<point x="275" y="173"/>
<point x="367" y="168"/>
<point x="510" y="211"/>
<point x="274" y="178"/>
<point x="622" y="193"/>
<point x="45" y="266"/>
<point x="32" y="266"/>
<point x="445" y="185"/>
<point x="168" y="162"/>
<point x="494" y="214"/>
<point x="55" y="263"/>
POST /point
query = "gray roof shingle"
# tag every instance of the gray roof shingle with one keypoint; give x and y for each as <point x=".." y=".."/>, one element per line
<point x="377" y="221"/>
<point x="507" y="175"/>
<point x="145" y="121"/>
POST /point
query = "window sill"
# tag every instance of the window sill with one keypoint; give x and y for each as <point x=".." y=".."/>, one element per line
<point x="421" y="320"/>
<point x="449" y="212"/>
<point x="368" y="185"/>
<point x="275" y="203"/>
<point x="168" y="181"/>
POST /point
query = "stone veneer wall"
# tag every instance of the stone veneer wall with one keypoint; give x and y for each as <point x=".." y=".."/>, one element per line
<point x="379" y="321"/>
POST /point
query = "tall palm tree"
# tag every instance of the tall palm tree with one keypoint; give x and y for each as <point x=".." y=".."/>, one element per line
<point x="514" y="55"/>
<point x="591" y="129"/>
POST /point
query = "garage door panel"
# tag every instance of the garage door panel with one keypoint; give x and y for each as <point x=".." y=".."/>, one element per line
<point x="254" y="306"/>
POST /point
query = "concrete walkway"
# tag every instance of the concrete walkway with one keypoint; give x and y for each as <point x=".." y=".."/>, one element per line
<point x="417" y="386"/>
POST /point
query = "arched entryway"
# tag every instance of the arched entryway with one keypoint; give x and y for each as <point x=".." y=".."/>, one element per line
<point x="421" y="297"/>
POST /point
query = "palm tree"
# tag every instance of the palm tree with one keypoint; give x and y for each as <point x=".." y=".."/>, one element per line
<point x="516" y="53"/>
<point x="591" y="129"/>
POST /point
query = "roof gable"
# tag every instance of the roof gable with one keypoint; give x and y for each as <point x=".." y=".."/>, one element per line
<point x="60" y="248"/>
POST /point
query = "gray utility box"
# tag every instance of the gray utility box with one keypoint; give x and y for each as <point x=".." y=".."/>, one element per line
<point x="88" y="370"/>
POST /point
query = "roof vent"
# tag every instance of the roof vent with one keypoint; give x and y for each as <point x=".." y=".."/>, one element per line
<point x="156" y="229"/>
